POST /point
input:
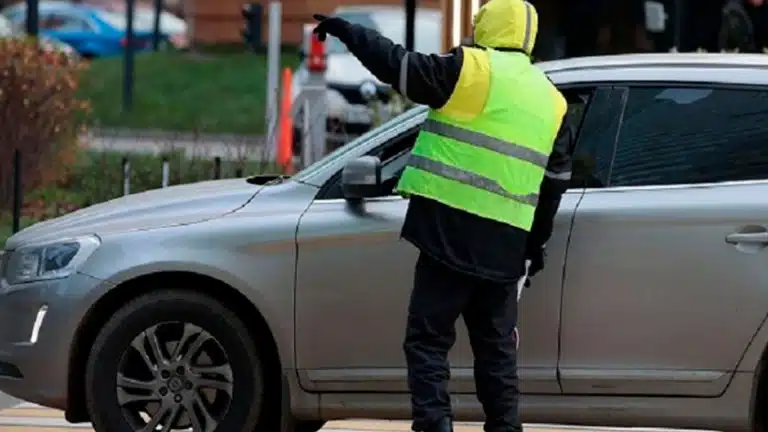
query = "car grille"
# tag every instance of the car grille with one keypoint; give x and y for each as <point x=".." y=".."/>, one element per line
<point x="352" y="93"/>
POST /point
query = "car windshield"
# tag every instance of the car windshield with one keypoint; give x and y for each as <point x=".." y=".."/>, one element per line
<point x="392" y="25"/>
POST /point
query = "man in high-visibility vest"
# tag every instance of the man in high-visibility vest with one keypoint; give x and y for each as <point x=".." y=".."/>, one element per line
<point x="484" y="179"/>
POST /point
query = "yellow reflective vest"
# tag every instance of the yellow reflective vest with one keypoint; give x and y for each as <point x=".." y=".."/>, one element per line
<point x="485" y="152"/>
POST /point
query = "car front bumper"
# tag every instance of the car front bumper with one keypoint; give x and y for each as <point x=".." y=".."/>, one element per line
<point x="38" y="323"/>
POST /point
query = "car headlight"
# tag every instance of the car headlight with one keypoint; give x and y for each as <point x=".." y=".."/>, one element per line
<point x="53" y="260"/>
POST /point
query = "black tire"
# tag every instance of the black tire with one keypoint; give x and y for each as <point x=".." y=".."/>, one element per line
<point x="244" y="402"/>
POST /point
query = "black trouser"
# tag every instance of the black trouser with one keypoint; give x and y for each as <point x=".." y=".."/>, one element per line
<point x="440" y="294"/>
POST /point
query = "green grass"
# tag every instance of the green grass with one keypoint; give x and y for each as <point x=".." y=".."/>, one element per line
<point x="223" y="93"/>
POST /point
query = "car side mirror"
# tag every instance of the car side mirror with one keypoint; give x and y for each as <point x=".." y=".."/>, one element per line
<point x="361" y="178"/>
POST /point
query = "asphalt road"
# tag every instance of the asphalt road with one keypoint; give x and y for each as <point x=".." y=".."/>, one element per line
<point x="32" y="418"/>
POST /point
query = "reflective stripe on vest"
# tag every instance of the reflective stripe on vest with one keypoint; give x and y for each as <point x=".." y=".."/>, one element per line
<point x="468" y="178"/>
<point x="528" y="19"/>
<point x="487" y="142"/>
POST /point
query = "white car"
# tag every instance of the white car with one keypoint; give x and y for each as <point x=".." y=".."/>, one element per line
<point x="170" y="24"/>
<point x="349" y="113"/>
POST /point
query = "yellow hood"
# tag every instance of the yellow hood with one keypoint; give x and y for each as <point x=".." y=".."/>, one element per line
<point x="506" y="24"/>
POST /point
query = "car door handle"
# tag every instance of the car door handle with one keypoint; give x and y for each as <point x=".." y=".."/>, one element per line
<point x="749" y="238"/>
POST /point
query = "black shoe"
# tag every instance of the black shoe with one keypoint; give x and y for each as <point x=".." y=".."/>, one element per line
<point x="445" y="424"/>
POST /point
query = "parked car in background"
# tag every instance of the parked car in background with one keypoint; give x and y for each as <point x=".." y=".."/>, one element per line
<point x="171" y="25"/>
<point x="222" y="305"/>
<point x="47" y="44"/>
<point x="349" y="107"/>
<point x="93" y="32"/>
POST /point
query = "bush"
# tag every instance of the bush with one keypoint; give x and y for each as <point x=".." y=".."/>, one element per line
<point x="38" y="114"/>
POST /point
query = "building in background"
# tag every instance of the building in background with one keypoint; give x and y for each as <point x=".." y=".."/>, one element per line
<point x="567" y="28"/>
<point x="220" y="21"/>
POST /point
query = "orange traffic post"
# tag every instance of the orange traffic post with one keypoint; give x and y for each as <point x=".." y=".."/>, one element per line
<point x="285" y="143"/>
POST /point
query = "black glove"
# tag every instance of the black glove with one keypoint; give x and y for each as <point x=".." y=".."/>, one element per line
<point x="538" y="257"/>
<point x="333" y="26"/>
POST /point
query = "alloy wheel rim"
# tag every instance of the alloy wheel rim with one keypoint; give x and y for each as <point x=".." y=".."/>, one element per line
<point x="174" y="376"/>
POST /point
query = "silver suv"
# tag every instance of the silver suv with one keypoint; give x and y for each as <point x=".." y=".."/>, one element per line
<point x="238" y="304"/>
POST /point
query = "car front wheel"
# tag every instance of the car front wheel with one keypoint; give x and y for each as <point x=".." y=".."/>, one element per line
<point x="174" y="360"/>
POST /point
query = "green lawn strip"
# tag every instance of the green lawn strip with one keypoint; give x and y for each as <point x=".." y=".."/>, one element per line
<point x="222" y="93"/>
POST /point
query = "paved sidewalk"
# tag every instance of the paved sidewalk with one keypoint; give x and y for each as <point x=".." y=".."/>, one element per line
<point x="227" y="149"/>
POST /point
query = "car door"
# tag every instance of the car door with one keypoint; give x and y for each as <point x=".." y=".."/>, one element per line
<point x="352" y="284"/>
<point x="664" y="284"/>
<point x="354" y="277"/>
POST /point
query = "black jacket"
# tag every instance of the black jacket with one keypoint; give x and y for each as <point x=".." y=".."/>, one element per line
<point x="430" y="79"/>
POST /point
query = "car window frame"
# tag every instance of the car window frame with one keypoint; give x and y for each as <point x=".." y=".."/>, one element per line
<point x="613" y="95"/>
<point x="322" y="170"/>
<point x="335" y="179"/>
<point x="628" y="85"/>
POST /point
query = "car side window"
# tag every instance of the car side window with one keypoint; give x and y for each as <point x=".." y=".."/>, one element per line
<point x="60" y="22"/>
<point x="593" y="118"/>
<point x="393" y="155"/>
<point x="51" y="22"/>
<point x="672" y="136"/>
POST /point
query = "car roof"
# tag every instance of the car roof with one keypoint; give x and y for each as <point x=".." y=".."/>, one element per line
<point x="658" y="59"/>
<point x="666" y="67"/>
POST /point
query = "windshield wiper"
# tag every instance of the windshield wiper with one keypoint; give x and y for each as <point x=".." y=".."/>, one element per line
<point x="277" y="180"/>
<point x="266" y="179"/>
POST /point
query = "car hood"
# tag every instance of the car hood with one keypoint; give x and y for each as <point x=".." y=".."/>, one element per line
<point x="344" y="68"/>
<point x="176" y="205"/>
